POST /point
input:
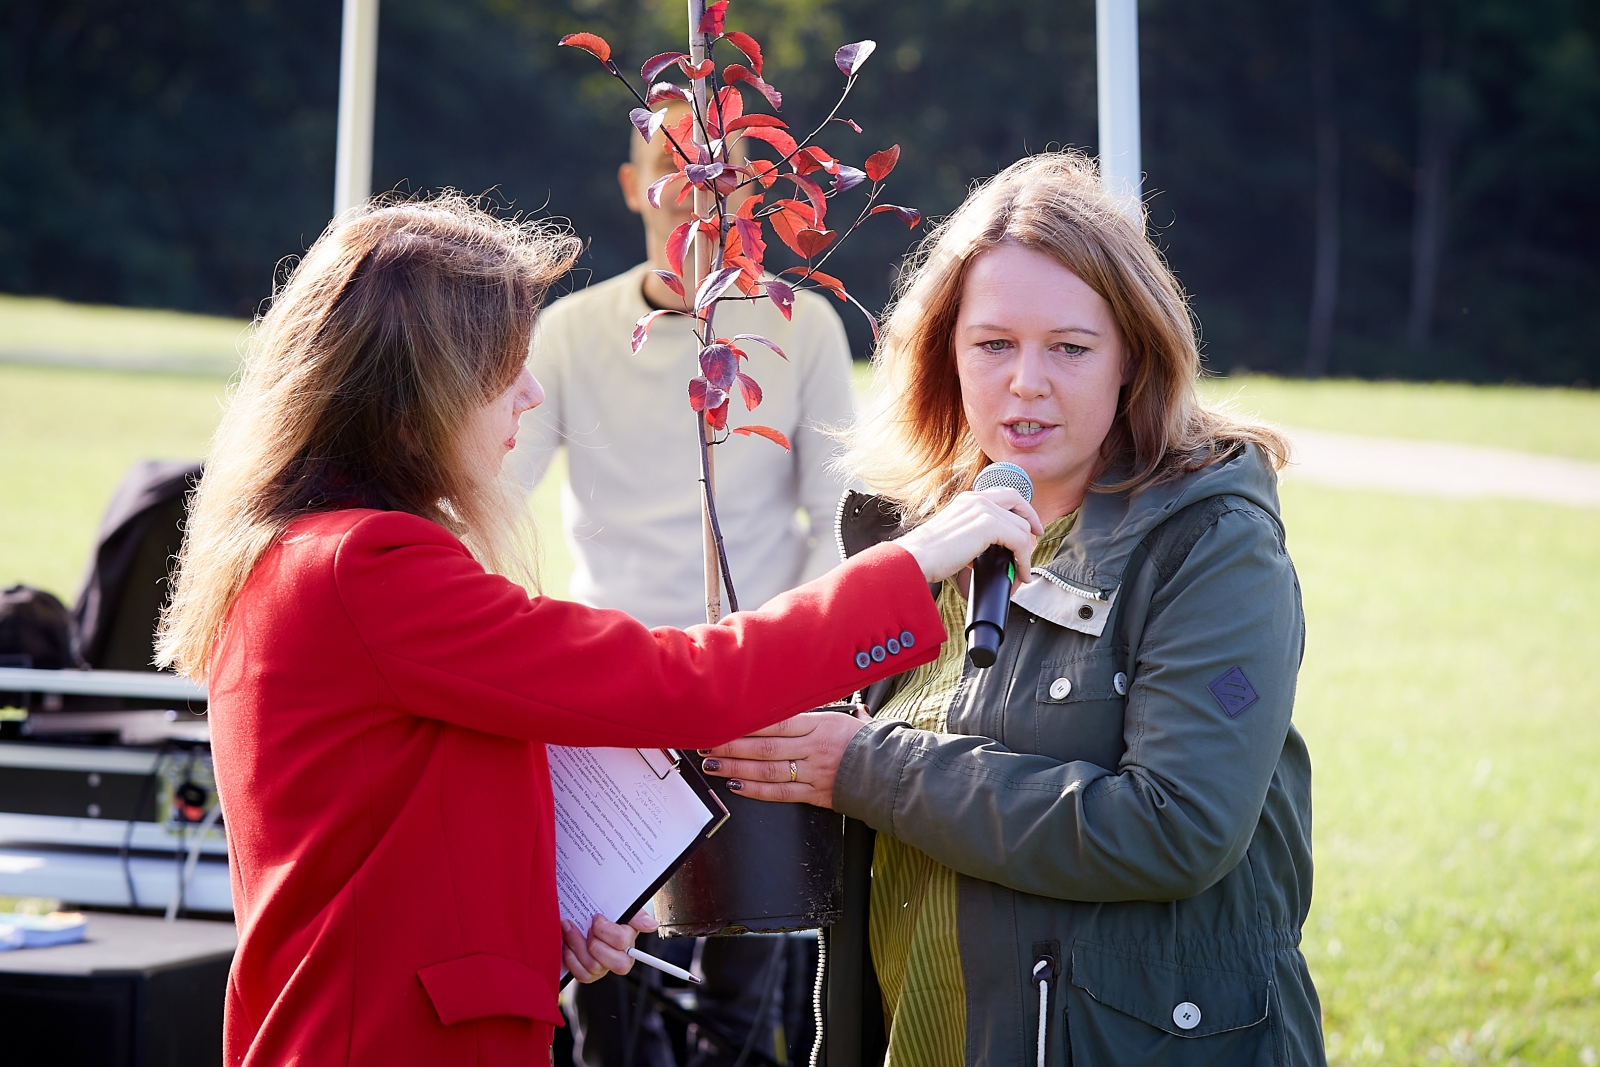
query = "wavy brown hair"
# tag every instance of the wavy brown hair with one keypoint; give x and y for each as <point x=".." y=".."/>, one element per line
<point x="911" y="442"/>
<point x="401" y="320"/>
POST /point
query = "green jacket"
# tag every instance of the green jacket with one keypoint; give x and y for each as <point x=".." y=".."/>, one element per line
<point x="1123" y="795"/>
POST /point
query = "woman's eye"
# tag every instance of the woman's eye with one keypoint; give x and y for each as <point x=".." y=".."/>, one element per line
<point x="1071" y="350"/>
<point x="994" y="346"/>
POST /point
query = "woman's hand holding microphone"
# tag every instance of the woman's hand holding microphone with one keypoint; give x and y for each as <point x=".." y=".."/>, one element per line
<point x="797" y="759"/>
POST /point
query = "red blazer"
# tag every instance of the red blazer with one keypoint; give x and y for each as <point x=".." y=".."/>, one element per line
<point x="380" y="707"/>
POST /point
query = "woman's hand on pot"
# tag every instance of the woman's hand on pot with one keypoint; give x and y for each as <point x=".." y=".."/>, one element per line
<point x="794" y="761"/>
<point x="970" y="523"/>
<point x="605" y="949"/>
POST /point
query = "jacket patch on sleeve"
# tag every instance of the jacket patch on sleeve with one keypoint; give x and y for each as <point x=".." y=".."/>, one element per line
<point x="1233" y="691"/>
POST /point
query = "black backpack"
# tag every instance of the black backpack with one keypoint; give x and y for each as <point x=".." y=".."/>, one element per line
<point x="36" y="630"/>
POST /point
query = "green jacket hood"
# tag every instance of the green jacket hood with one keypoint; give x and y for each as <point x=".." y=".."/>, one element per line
<point x="1111" y="525"/>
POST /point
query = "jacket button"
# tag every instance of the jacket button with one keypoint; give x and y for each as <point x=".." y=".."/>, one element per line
<point x="1060" y="688"/>
<point x="863" y="660"/>
<point x="907" y="639"/>
<point x="1120" y="684"/>
<point x="878" y="654"/>
<point x="1186" y="1016"/>
<point x="1086" y="612"/>
<point x="893" y="646"/>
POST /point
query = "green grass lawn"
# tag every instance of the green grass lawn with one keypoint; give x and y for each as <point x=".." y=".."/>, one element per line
<point x="1450" y="696"/>
<point x="40" y="330"/>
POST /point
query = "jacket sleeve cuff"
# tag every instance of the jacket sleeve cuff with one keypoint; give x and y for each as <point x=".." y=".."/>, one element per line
<point x="867" y="783"/>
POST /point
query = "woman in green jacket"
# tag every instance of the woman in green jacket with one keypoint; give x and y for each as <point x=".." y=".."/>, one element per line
<point x="1098" y="850"/>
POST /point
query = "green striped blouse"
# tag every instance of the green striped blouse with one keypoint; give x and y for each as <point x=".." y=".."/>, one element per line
<point x="915" y="947"/>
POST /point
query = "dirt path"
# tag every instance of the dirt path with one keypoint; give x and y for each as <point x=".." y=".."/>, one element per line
<point x="1439" y="468"/>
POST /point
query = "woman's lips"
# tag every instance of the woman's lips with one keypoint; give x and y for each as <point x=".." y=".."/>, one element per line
<point x="1025" y="433"/>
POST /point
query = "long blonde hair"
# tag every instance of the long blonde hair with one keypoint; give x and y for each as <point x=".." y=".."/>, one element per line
<point x="401" y="320"/>
<point x="911" y="442"/>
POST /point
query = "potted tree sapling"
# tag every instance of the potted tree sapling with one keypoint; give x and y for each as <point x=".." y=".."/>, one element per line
<point x="773" y="867"/>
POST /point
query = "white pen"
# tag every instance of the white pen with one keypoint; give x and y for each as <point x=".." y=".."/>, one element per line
<point x="663" y="966"/>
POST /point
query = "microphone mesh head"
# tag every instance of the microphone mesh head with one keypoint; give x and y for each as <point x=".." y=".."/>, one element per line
<point x="1007" y="474"/>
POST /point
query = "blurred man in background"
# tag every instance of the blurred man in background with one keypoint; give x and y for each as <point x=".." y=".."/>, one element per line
<point x="631" y="517"/>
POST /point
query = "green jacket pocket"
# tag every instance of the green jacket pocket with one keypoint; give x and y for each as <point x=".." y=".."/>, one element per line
<point x="1129" y="1009"/>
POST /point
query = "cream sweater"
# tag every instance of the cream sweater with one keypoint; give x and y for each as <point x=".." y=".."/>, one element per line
<point x="631" y="506"/>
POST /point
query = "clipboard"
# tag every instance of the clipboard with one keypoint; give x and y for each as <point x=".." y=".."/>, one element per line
<point x="613" y="806"/>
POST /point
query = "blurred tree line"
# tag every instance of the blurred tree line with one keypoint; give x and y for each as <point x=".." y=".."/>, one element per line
<point x="1396" y="188"/>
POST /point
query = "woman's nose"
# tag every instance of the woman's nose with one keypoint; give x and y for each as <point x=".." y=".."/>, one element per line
<point x="531" y="395"/>
<point x="1028" y="378"/>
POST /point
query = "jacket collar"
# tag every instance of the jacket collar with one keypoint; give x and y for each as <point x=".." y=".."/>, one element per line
<point x="1078" y="587"/>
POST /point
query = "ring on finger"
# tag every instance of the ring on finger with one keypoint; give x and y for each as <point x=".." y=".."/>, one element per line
<point x="794" y="772"/>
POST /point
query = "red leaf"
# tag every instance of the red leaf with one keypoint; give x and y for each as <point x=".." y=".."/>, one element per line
<point x="703" y="395"/>
<point x="776" y="138"/>
<point x="719" y="363"/>
<point x="641" y="329"/>
<point x="677" y="244"/>
<point x="879" y="164"/>
<point x="658" y="188"/>
<point x="661" y="92"/>
<point x="718" y="416"/>
<point x="738" y="72"/>
<point x="758" y="339"/>
<point x="813" y="241"/>
<point x="714" y="286"/>
<point x="848" y="178"/>
<point x="848" y="122"/>
<point x="781" y="295"/>
<point x="682" y="136"/>
<point x="595" y="45"/>
<point x="764" y="431"/>
<point x="712" y="21"/>
<point x="826" y="281"/>
<point x="656" y="64"/>
<point x="849" y="58"/>
<point x="728" y="107"/>
<point x="813" y="158"/>
<point x="672" y="281"/>
<point x="750" y="242"/>
<point x="790" y="222"/>
<point x="647" y="122"/>
<point x="695" y="71"/>
<point x="764" y="172"/>
<point x="908" y="215"/>
<point x="813" y="191"/>
<point x="744" y="122"/>
<point x="747" y="210"/>
<point x="746" y="44"/>
<point x="749" y="279"/>
<point x="751" y="391"/>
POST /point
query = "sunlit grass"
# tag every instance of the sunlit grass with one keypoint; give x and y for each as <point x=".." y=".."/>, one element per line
<point x="1560" y="422"/>
<point x="1451" y="699"/>
<point x="38" y="329"/>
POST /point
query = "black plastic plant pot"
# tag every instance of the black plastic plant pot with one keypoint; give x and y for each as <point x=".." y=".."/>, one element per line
<point x="771" y="868"/>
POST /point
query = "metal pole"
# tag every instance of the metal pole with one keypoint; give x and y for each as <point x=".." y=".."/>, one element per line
<point x="358" y="74"/>
<point x="1117" y="81"/>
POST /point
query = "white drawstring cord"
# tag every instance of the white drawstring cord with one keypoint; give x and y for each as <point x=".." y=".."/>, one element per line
<point x="1044" y="1005"/>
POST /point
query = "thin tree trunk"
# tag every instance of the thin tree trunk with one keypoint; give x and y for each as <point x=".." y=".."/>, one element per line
<point x="696" y="270"/>
<point x="1434" y="122"/>
<point x="1325" y="261"/>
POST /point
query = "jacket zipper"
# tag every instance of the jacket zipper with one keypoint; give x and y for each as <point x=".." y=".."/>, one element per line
<point x="1044" y="971"/>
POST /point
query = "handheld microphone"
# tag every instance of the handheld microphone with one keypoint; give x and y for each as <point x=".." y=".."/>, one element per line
<point x="992" y="574"/>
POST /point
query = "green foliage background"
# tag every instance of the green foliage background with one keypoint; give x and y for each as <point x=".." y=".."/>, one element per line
<point x="170" y="155"/>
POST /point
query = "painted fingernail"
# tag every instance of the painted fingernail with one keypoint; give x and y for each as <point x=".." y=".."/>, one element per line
<point x="713" y="765"/>
<point x="735" y="785"/>
<point x="703" y="751"/>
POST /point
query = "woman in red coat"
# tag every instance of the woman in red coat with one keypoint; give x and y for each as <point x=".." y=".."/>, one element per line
<point x="381" y="697"/>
